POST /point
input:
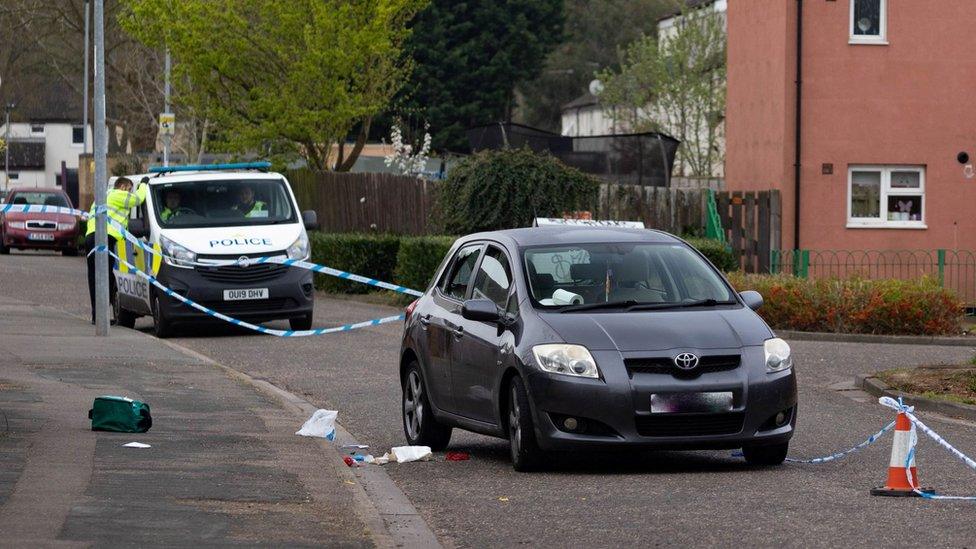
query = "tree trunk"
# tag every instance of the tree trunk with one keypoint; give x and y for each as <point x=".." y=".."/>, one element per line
<point x="357" y="148"/>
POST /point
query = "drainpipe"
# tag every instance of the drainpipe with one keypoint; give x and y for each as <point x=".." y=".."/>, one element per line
<point x="798" y="124"/>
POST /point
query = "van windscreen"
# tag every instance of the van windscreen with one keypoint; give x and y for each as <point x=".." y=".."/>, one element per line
<point x="222" y="203"/>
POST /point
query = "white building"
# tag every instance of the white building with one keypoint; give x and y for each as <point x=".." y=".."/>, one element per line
<point x="62" y="142"/>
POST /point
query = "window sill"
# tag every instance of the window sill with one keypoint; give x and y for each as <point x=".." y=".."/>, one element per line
<point x="918" y="225"/>
<point x="867" y="42"/>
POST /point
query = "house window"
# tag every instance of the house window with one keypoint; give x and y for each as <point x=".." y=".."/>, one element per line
<point x="13" y="175"/>
<point x="37" y="129"/>
<point x="868" y="22"/>
<point x="886" y="196"/>
<point x="77" y="135"/>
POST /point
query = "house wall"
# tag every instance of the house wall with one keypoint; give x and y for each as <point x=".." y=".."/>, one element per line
<point x="57" y="148"/>
<point x="904" y="103"/>
<point x="25" y="178"/>
<point x="589" y="120"/>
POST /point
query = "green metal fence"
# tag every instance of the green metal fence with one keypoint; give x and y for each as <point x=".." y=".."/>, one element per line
<point x="954" y="269"/>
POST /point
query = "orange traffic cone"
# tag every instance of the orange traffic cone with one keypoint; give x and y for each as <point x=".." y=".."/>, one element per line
<point x="897" y="484"/>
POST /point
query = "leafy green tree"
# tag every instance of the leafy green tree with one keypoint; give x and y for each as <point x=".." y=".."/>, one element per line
<point x="595" y="32"/>
<point x="470" y="55"/>
<point x="294" y="77"/>
<point x="676" y="85"/>
<point x="507" y="188"/>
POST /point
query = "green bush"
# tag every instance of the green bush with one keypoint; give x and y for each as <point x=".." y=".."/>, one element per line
<point x="855" y="305"/>
<point x="419" y="258"/>
<point x="718" y="253"/>
<point x="374" y="256"/>
<point x="505" y="189"/>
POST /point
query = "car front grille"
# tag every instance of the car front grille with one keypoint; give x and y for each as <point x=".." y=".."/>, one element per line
<point x="42" y="225"/>
<point x="665" y="365"/>
<point x="250" y="305"/>
<point x="243" y="275"/>
<point x="678" y="425"/>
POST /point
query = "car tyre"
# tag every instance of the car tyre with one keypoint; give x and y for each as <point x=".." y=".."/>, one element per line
<point x="301" y="323"/>
<point x="419" y="424"/>
<point x="123" y="318"/>
<point x="162" y="326"/>
<point x="526" y="455"/>
<point x="4" y="250"/>
<point x="70" y="252"/>
<point x="772" y="454"/>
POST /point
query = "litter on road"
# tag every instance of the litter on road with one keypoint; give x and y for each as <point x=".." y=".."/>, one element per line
<point x="136" y="445"/>
<point x="321" y="425"/>
<point x="458" y="456"/>
<point x="406" y="454"/>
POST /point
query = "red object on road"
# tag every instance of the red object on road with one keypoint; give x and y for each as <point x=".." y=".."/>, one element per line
<point x="458" y="456"/>
<point x="349" y="461"/>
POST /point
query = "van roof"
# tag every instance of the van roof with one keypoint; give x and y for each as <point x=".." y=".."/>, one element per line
<point x="184" y="177"/>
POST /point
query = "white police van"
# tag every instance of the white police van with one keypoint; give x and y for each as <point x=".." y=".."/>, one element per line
<point x="201" y="219"/>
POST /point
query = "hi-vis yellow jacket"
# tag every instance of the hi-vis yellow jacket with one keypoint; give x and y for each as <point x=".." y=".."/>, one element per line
<point x="119" y="203"/>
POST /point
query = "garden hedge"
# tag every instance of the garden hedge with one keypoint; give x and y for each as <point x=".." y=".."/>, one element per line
<point x="855" y="305"/>
<point x="369" y="255"/>
<point x="419" y="258"/>
<point x="719" y="253"/>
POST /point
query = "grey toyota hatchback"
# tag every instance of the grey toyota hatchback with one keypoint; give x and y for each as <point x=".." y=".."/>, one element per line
<point x="576" y="338"/>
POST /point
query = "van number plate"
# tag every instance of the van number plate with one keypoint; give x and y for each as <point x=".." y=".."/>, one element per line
<point x="250" y="293"/>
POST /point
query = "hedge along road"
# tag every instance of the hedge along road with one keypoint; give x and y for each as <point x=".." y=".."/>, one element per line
<point x="673" y="498"/>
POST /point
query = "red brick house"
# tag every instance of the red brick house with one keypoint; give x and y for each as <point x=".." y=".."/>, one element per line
<point x="862" y="113"/>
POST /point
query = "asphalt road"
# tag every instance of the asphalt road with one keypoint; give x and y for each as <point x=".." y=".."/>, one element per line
<point x="665" y="498"/>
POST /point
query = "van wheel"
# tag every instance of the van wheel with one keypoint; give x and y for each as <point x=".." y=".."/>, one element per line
<point x="526" y="455"/>
<point x="418" y="420"/>
<point x="123" y="318"/>
<point x="773" y="454"/>
<point x="301" y="323"/>
<point x="162" y="327"/>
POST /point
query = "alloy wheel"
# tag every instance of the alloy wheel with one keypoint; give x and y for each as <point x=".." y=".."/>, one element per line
<point x="514" y="422"/>
<point x="413" y="405"/>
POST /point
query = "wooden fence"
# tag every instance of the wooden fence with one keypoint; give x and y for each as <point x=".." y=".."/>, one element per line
<point x="387" y="203"/>
<point x="365" y="202"/>
<point x="752" y="222"/>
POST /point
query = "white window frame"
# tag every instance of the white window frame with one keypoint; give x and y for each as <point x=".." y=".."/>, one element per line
<point x="83" y="131"/>
<point x="882" y="221"/>
<point x="876" y="40"/>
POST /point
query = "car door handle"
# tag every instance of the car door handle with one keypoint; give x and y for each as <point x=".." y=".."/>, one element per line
<point x="425" y="320"/>
<point x="458" y="332"/>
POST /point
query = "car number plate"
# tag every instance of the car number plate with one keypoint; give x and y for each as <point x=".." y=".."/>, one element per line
<point x="669" y="403"/>
<point x="249" y="293"/>
<point x="40" y="236"/>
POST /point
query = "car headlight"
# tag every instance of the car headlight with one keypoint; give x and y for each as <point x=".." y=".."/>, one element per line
<point x="299" y="249"/>
<point x="571" y="360"/>
<point x="176" y="255"/>
<point x="778" y="356"/>
<point x="67" y="226"/>
<point x="17" y="224"/>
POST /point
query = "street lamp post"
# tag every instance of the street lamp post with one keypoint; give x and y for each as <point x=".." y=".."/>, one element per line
<point x="101" y="175"/>
<point x="6" y="146"/>
<point x="84" y="108"/>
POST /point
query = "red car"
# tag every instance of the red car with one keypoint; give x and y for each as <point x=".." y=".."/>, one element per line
<point x="40" y="231"/>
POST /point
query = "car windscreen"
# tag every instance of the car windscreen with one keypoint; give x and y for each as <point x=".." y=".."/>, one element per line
<point x="222" y="203"/>
<point x="39" y="199"/>
<point x="643" y="273"/>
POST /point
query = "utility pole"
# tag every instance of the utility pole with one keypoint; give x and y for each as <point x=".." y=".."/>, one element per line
<point x="101" y="175"/>
<point x="6" y="147"/>
<point x="84" y="108"/>
<point x="167" y="138"/>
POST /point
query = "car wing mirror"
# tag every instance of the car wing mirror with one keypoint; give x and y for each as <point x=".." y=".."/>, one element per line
<point x="752" y="299"/>
<point x="311" y="220"/>
<point x="138" y="228"/>
<point x="483" y="310"/>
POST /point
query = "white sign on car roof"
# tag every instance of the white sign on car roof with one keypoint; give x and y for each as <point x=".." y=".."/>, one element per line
<point x="552" y="221"/>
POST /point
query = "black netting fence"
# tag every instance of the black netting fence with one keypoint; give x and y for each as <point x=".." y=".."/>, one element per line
<point x="636" y="159"/>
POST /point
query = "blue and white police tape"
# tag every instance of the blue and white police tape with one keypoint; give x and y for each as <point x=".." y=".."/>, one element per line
<point x="34" y="208"/>
<point x="237" y="322"/>
<point x="40" y="208"/>
<point x="870" y="440"/>
<point x="913" y="440"/>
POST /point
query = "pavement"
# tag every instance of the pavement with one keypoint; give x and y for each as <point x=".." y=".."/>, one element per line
<point x="224" y="467"/>
<point x="649" y="498"/>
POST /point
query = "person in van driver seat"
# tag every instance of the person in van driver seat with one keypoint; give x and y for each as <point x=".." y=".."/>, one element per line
<point x="119" y="201"/>
<point x="172" y="207"/>
<point x="247" y="205"/>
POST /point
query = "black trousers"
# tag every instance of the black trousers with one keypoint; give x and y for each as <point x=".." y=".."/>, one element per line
<point x="89" y="244"/>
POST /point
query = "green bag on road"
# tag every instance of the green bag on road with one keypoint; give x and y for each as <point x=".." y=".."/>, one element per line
<point x="120" y="414"/>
